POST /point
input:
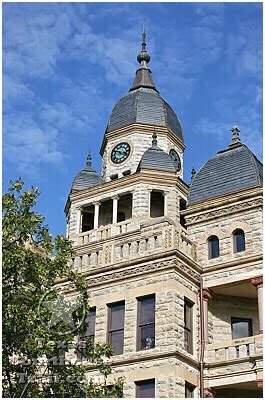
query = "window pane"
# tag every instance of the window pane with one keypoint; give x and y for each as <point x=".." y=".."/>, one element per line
<point x="214" y="247"/>
<point x="188" y="314"/>
<point x="147" y="310"/>
<point x="241" y="328"/>
<point x="147" y="334"/>
<point x="91" y="319"/>
<point x="239" y="241"/>
<point x="146" y="389"/>
<point x="189" y="390"/>
<point x="117" y="340"/>
<point x="117" y="317"/>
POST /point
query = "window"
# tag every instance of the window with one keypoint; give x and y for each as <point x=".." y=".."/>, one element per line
<point x="90" y="333"/>
<point x="189" y="390"/>
<point x="213" y="247"/>
<point x="241" y="327"/>
<point x="188" y="315"/>
<point x="116" y="327"/>
<point x="157" y="204"/>
<point x="239" y="241"/>
<point x="121" y="216"/>
<point x="146" y="322"/>
<point x="145" y="389"/>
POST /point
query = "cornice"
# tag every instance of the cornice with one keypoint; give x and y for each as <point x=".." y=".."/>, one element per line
<point x="145" y="128"/>
<point x="242" y="262"/>
<point x="152" y="177"/>
<point x="140" y="357"/>
<point x="235" y="361"/>
<point x="141" y="266"/>
<point x="220" y="209"/>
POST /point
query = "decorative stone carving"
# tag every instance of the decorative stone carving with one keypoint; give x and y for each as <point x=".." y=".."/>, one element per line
<point x="257" y="281"/>
<point x="259" y="383"/>
<point x="223" y="211"/>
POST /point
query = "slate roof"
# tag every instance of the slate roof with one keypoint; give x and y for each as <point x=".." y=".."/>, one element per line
<point x="156" y="158"/>
<point x="146" y="106"/>
<point x="86" y="179"/>
<point x="230" y="171"/>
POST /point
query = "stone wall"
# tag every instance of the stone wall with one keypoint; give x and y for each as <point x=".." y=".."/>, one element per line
<point x="251" y="223"/>
<point x="222" y="308"/>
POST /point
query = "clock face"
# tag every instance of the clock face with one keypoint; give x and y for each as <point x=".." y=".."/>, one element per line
<point x="120" y="152"/>
<point x="175" y="157"/>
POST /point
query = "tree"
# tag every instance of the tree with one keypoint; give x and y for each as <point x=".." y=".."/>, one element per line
<point x="34" y="360"/>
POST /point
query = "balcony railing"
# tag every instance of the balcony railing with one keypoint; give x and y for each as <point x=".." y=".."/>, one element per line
<point x="141" y="239"/>
<point x="234" y="349"/>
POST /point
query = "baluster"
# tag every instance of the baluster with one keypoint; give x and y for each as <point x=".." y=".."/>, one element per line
<point x="126" y="250"/>
<point x="237" y="351"/>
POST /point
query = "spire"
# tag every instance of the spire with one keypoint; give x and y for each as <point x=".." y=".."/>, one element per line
<point x="143" y="74"/>
<point x="89" y="159"/>
<point x="235" y="135"/>
<point x="143" y="58"/>
<point x="193" y="172"/>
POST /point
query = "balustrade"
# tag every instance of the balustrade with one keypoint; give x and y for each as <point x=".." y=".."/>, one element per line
<point x="234" y="349"/>
<point x="157" y="237"/>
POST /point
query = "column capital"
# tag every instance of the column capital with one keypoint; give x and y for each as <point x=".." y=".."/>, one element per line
<point x="257" y="281"/>
<point x="115" y="197"/>
<point x="207" y="294"/>
<point x="259" y="383"/>
<point x="96" y="203"/>
<point x="208" y="393"/>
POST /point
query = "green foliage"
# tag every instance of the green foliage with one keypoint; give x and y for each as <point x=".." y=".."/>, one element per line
<point x="34" y="361"/>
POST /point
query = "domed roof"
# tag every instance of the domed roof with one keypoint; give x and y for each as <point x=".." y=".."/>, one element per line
<point x="143" y="104"/>
<point x="156" y="158"/>
<point x="86" y="178"/>
<point x="230" y="171"/>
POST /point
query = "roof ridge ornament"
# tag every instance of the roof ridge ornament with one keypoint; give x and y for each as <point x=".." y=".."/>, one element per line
<point x="193" y="172"/>
<point x="89" y="159"/>
<point x="154" y="138"/>
<point x="235" y="135"/>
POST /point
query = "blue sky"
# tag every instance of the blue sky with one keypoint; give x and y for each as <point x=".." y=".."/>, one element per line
<point x="65" y="65"/>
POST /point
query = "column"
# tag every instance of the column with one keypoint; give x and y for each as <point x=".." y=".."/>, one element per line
<point x="149" y="202"/>
<point x="206" y="296"/>
<point x="165" y="203"/>
<point x="115" y="209"/>
<point x="258" y="283"/>
<point x="96" y="214"/>
<point x="78" y="219"/>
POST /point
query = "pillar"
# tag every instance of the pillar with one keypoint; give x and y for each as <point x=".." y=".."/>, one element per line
<point x="258" y="283"/>
<point x="115" y="209"/>
<point x="206" y="296"/>
<point x="78" y="220"/>
<point x="96" y="215"/>
<point x="166" y="203"/>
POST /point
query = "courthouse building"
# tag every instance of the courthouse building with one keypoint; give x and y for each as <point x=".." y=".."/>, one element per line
<point x="174" y="269"/>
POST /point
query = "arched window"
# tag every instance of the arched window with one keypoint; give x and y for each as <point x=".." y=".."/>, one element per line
<point x="213" y="247"/>
<point x="239" y="240"/>
<point x="157" y="206"/>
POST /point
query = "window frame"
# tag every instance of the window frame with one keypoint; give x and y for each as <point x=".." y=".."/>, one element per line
<point x="188" y="330"/>
<point x="239" y="319"/>
<point x="109" y="330"/>
<point x="235" y="244"/>
<point x="138" y="386"/>
<point x="139" y="325"/>
<point x="210" y="250"/>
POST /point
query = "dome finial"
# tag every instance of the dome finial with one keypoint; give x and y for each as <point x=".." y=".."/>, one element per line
<point x="89" y="159"/>
<point x="193" y="172"/>
<point x="154" y="138"/>
<point x="143" y="58"/>
<point x="235" y="137"/>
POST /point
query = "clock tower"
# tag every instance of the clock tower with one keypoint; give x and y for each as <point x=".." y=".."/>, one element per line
<point x="132" y="123"/>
